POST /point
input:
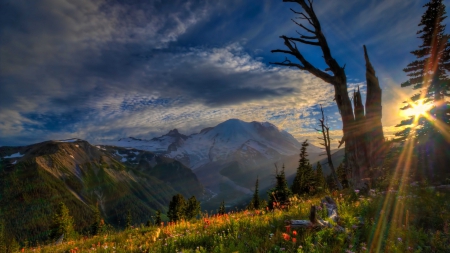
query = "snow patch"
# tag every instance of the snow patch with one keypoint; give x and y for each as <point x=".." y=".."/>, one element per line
<point x="16" y="155"/>
<point x="69" y="140"/>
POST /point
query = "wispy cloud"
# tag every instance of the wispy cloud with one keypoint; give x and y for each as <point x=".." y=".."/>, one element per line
<point x="108" y="69"/>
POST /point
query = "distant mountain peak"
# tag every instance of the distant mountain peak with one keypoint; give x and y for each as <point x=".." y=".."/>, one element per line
<point x="130" y="138"/>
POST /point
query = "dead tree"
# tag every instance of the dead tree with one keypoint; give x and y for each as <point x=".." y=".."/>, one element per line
<point x="325" y="129"/>
<point x="362" y="133"/>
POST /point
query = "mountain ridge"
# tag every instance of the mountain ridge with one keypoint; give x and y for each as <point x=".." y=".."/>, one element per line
<point x="34" y="179"/>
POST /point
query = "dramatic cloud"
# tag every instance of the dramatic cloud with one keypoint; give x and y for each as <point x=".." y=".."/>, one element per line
<point x="100" y="70"/>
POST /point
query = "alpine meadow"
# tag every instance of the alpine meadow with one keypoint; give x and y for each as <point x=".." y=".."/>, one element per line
<point x="256" y="126"/>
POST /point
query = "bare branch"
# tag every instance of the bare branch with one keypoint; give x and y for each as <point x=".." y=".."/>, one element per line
<point x="306" y="64"/>
<point x="306" y="17"/>
<point x="306" y="37"/>
<point x="313" y="43"/>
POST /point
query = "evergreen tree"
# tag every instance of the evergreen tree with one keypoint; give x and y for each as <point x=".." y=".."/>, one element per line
<point x="256" y="203"/>
<point x="2" y="237"/>
<point x="177" y="208"/>
<point x="304" y="178"/>
<point x="158" y="219"/>
<point x="192" y="208"/>
<point x="128" y="221"/>
<point x="63" y="222"/>
<point x="320" y="179"/>
<point x="98" y="224"/>
<point x="222" y="208"/>
<point x="330" y="183"/>
<point x="297" y="184"/>
<point x="281" y="193"/>
<point x="428" y="73"/>
<point x="342" y="175"/>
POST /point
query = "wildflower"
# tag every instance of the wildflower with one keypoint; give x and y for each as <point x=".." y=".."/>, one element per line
<point x="286" y="237"/>
<point x="357" y="191"/>
<point x="399" y="239"/>
<point x="288" y="229"/>
<point x="294" y="233"/>
<point x="294" y="240"/>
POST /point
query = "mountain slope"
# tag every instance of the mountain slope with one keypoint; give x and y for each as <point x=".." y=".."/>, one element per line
<point x="35" y="178"/>
<point x="229" y="157"/>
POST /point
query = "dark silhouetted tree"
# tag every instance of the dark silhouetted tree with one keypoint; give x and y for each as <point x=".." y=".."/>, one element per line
<point x="429" y="75"/>
<point x="192" y="208"/>
<point x="281" y="193"/>
<point x="362" y="129"/>
<point x="2" y="236"/>
<point x="304" y="178"/>
<point x="222" y="208"/>
<point x="320" y="179"/>
<point x="177" y="208"/>
<point x="256" y="203"/>
<point x="128" y="220"/>
<point x="158" y="219"/>
<point x="342" y="175"/>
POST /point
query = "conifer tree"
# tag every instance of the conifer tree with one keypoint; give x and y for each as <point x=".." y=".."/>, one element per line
<point x="128" y="220"/>
<point x="97" y="226"/>
<point x="2" y="237"/>
<point x="281" y="193"/>
<point x="63" y="222"/>
<point x="177" y="208"/>
<point x="222" y="208"/>
<point x="304" y="178"/>
<point x="158" y="219"/>
<point x="320" y="179"/>
<point x="192" y="208"/>
<point x="256" y="202"/>
<point x="428" y="73"/>
<point x="342" y="175"/>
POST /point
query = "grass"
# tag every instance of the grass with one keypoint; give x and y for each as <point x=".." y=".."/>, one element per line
<point x="414" y="220"/>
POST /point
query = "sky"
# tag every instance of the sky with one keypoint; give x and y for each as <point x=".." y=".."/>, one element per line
<point x="105" y="69"/>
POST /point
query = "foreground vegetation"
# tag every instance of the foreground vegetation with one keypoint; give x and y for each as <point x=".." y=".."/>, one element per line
<point x="416" y="219"/>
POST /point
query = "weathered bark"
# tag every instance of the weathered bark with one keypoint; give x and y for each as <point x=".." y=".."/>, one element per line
<point x="374" y="112"/>
<point x="361" y="145"/>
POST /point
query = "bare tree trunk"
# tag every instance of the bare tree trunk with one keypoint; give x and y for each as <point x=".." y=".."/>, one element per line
<point x="362" y="133"/>
<point x="327" y="144"/>
<point x="375" y="136"/>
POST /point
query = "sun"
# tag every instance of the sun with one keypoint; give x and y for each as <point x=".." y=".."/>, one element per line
<point x="417" y="110"/>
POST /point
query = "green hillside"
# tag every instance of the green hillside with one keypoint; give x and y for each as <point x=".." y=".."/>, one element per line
<point x="82" y="177"/>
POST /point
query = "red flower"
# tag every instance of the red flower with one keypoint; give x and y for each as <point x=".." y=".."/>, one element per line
<point x="294" y="233"/>
<point x="294" y="240"/>
<point x="288" y="229"/>
<point x="286" y="237"/>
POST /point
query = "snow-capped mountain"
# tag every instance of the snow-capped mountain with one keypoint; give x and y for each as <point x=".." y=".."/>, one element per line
<point x="226" y="141"/>
<point x="229" y="157"/>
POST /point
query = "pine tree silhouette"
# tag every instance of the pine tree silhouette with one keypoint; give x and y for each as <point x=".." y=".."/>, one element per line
<point x="428" y="73"/>
<point x="279" y="196"/>
<point x="177" y="208"/>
